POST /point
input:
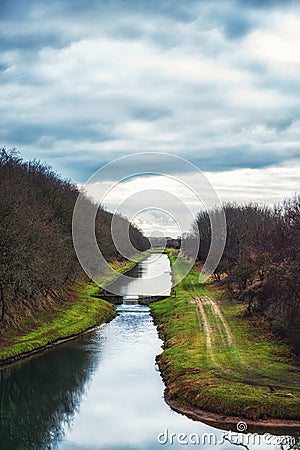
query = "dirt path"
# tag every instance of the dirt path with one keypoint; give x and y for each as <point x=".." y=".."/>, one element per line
<point x="206" y="325"/>
<point x="203" y="320"/>
<point x="205" y="300"/>
<point x="216" y="329"/>
<point x="219" y="313"/>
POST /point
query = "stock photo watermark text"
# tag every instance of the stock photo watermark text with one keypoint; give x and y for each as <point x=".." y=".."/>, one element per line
<point x="168" y="437"/>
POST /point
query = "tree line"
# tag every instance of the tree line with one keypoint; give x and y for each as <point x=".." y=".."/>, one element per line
<point x="38" y="264"/>
<point x="261" y="261"/>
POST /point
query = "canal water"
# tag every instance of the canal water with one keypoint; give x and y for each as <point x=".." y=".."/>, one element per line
<point x="101" y="391"/>
<point x="152" y="276"/>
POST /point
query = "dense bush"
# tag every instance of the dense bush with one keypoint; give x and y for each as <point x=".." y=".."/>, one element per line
<point x="37" y="259"/>
<point x="261" y="261"/>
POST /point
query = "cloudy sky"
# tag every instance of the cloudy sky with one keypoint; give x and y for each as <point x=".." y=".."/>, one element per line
<point x="216" y="82"/>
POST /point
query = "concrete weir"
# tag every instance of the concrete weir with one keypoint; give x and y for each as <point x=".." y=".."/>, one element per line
<point x="129" y="300"/>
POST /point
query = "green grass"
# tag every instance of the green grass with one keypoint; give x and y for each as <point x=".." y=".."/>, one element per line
<point x="64" y="321"/>
<point x="254" y="376"/>
<point x="67" y="319"/>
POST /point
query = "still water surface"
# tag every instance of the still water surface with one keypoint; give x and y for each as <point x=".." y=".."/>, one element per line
<point x="100" y="391"/>
<point x="152" y="276"/>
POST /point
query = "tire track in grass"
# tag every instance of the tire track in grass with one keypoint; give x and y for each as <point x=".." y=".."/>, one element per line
<point x="224" y="333"/>
<point x="239" y="371"/>
<point x="219" y="314"/>
<point x="242" y="370"/>
<point x="207" y="328"/>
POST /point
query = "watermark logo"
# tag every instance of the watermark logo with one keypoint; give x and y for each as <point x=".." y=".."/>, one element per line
<point x="176" y="182"/>
<point x="241" y="427"/>
<point x="239" y="438"/>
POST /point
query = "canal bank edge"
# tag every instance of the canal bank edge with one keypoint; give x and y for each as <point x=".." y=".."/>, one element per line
<point x="216" y="386"/>
<point x="84" y="312"/>
<point x="233" y="423"/>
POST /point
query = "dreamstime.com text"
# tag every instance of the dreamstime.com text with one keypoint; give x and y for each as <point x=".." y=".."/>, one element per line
<point x="170" y="438"/>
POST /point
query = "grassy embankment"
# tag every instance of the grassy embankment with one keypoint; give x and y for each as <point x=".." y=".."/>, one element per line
<point x="216" y="359"/>
<point x="80" y="312"/>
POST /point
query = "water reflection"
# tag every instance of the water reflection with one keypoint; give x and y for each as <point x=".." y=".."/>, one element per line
<point x="38" y="396"/>
<point x="124" y="408"/>
<point x="152" y="276"/>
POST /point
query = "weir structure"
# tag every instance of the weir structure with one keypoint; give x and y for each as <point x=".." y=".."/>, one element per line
<point x="130" y="299"/>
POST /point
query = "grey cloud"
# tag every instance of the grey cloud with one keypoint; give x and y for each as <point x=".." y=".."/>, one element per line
<point x="94" y="16"/>
<point x="281" y="123"/>
<point x="262" y="4"/>
<point x="177" y="10"/>
<point x="243" y="157"/>
<point x="237" y="25"/>
<point x="82" y="164"/>
<point x="14" y="8"/>
<point x="32" y="133"/>
<point x="31" y="41"/>
<point x="149" y="113"/>
<point x="234" y="19"/>
<point x="3" y="67"/>
<point x="156" y="80"/>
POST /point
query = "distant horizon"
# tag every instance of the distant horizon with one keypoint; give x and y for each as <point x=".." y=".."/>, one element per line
<point x="150" y="221"/>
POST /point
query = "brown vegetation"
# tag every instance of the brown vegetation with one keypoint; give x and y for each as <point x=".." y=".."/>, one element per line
<point x="38" y="264"/>
<point x="261" y="261"/>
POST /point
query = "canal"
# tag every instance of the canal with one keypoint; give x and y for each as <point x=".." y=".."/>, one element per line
<point x="102" y="390"/>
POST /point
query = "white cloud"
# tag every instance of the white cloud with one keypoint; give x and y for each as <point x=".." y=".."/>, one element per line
<point x="279" y="44"/>
<point x="157" y="197"/>
<point x="270" y="185"/>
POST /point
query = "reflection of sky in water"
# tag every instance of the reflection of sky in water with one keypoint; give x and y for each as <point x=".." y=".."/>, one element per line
<point x="151" y="277"/>
<point x="124" y="408"/>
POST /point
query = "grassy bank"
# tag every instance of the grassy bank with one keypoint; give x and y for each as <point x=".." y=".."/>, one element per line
<point x="216" y="359"/>
<point x="80" y="311"/>
<point x="65" y="320"/>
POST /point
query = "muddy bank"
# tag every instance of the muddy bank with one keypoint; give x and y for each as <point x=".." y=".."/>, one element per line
<point x="274" y="426"/>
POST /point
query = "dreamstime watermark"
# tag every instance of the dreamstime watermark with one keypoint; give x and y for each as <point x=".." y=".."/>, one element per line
<point x="233" y="437"/>
<point x="159" y="198"/>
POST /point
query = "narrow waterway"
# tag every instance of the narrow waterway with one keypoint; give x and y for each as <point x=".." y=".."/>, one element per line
<point x="100" y="391"/>
<point x="152" y="276"/>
